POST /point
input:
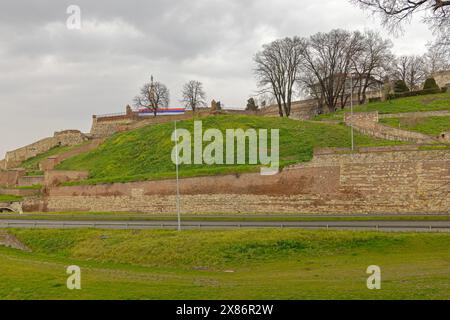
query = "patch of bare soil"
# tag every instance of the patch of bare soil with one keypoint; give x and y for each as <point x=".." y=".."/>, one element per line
<point x="10" y="241"/>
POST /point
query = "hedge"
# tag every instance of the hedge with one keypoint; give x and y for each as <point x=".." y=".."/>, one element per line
<point x="392" y="96"/>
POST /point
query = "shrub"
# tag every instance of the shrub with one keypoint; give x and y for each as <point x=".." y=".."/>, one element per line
<point x="400" y="86"/>
<point x="430" y="84"/>
<point x="415" y="93"/>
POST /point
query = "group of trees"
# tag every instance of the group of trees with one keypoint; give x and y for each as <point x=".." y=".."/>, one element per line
<point x="154" y="95"/>
<point x="332" y="66"/>
<point x="321" y="65"/>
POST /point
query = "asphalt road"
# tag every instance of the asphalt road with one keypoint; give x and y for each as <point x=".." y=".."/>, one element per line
<point x="419" y="226"/>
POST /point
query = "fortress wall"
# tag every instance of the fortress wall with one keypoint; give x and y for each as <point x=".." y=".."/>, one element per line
<point x="361" y="116"/>
<point x="101" y="129"/>
<point x="300" y="110"/>
<point x="10" y="178"/>
<point x="425" y="114"/>
<point x="367" y="123"/>
<point x="55" y="177"/>
<point x="375" y="182"/>
<point x="442" y="78"/>
<point x="28" y="181"/>
<point x="63" y="138"/>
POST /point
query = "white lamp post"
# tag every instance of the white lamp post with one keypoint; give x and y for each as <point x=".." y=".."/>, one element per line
<point x="178" y="186"/>
<point x="351" y="110"/>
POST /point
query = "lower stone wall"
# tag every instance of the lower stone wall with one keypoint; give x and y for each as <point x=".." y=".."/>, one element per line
<point x="367" y="123"/>
<point x="10" y="178"/>
<point x="28" y="181"/>
<point x="425" y="114"/>
<point x="51" y="162"/>
<point x="390" y="133"/>
<point x="361" y="116"/>
<point x="375" y="182"/>
<point x="56" y="177"/>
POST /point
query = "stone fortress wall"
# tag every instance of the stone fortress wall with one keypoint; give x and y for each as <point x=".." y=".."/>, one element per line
<point x="300" y="110"/>
<point x="367" y="123"/>
<point x="442" y="78"/>
<point x="63" y="138"/>
<point x="375" y="180"/>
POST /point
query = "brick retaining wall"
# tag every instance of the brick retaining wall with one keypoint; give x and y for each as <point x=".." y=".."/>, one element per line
<point x="394" y="182"/>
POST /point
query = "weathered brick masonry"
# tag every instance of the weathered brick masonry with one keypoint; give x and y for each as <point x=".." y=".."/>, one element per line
<point x="371" y="182"/>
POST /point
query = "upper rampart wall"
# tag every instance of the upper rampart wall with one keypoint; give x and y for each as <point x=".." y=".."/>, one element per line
<point x="442" y="78"/>
<point x="64" y="138"/>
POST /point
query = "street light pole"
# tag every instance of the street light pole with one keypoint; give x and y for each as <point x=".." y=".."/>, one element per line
<point x="178" y="185"/>
<point x="351" y="111"/>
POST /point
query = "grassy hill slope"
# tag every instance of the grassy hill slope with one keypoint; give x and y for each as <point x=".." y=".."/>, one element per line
<point x="430" y="125"/>
<point x="231" y="264"/>
<point x="145" y="153"/>
<point x="432" y="102"/>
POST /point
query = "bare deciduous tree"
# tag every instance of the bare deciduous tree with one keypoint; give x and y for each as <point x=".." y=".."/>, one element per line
<point x="371" y="64"/>
<point x="153" y="96"/>
<point x="194" y="96"/>
<point x="410" y="69"/>
<point x="395" y="12"/>
<point x="437" y="59"/>
<point x="277" y="70"/>
<point x="328" y="61"/>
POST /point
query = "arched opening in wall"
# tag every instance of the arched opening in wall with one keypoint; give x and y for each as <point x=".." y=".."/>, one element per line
<point x="6" y="210"/>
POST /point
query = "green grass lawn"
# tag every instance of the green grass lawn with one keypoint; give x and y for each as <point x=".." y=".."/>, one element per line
<point x="432" y="102"/>
<point x="146" y="153"/>
<point x="430" y="125"/>
<point x="240" y="264"/>
<point x="9" y="198"/>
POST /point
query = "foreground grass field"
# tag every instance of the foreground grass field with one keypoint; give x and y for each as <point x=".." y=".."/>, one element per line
<point x="431" y="125"/>
<point x="146" y="153"/>
<point x="243" y="264"/>
<point x="432" y="102"/>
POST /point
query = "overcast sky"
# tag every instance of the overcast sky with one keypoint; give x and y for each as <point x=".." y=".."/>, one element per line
<point x="53" y="78"/>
